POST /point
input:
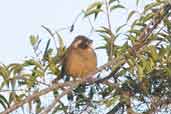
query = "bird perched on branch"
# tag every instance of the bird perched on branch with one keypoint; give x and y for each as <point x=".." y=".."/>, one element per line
<point x="79" y="59"/>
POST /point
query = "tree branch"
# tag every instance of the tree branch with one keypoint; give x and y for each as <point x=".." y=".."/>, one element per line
<point x="71" y="84"/>
<point x="25" y="79"/>
<point x="57" y="99"/>
<point x="35" y="95"/>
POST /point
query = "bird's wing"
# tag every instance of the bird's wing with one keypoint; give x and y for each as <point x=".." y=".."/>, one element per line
<point x="63" y="60"/>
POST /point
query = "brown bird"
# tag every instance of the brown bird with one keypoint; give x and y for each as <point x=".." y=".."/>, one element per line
<point x="79" y="59"/>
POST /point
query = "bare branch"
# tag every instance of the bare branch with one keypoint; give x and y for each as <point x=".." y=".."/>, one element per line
<point x="57" y="99"/>
<point x="8" y="90"/>
<point x="24" y="78"/>
<point x="110" y="28"/>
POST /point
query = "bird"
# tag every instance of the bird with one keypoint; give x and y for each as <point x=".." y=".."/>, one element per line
<point x="80" y="58"/>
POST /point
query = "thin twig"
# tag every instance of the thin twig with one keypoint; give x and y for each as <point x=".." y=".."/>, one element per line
<point x="57" y="99"/>
<point x="65" y="111"/>
<point x="107" y="13"/>
<point x="92" y="26"/>
<point x="52" y="35"/>
<point x="8" y="90"/>
<point x="24" y="78"/>
<point x="73" y="24"/>
<point x="110" y="28"/>
<point x="82" y="112"/>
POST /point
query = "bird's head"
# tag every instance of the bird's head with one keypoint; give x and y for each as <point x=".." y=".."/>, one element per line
<point x="82" y="42"/>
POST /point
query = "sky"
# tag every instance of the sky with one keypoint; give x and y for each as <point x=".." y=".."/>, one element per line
<point x="21" y="18"/>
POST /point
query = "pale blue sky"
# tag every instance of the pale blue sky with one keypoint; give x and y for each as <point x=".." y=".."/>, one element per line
<point x="21" y="18"/>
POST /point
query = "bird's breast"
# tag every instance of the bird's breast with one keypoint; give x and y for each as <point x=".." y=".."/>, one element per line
<point x="80" y="63"/>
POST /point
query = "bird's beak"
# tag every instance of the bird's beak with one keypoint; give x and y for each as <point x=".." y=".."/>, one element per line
<point x="90" y="41"/>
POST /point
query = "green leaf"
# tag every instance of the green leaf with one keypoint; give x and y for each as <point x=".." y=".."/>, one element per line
<point x="91" y="92"/>
<point x="122" y="72"/>
<point x="131" y="62"/>
<point x="15" y="68"/>
<point x="33" y="62"/>
<point x="33" y="39"/>
<point x="162" y="52"/>
<point x="167" y="71"/>
<point x="153" y="53"/>
<point x="135" y="31"/>
<point x="93" y="6"/>
<point x="4" y="72"/>
<point x="167" y="23"/>
<point x="111" y="101"/>
<point x="137" y="2"/>
<point x="4" y="102"/>
<point x="94" y="11"/>
<point x="117" y="7"/>
<point x="38" y="72"/>
<point x="120" y="27"/>
<point x="60" y="39"/>
<point x="130" y="15"/>
<point x="106" y="38"/>
<point x="46" y="50"/>
<point x="53" y="68"/>
<point x="147" y="17"/>
<point x="111" y="1"/>
<point x="151" y="6"/>
<point x="38" y="105"/>
<point x="101" y="47"/>
<point x="104" y="29"/>
<point x="140" y="72"/>
<point x="61" y="49"/>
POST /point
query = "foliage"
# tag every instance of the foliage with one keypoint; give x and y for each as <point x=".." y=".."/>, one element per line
<point x="138" y="83"/>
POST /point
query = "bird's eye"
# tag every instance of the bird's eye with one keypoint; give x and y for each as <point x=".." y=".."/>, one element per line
<point x="83" y="45"/>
